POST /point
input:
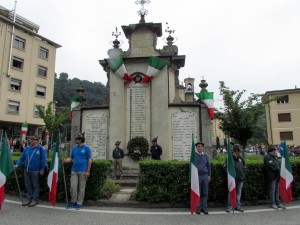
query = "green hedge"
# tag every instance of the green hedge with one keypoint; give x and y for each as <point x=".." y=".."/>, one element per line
<point x="168" y="181"/>
<point x="100" y="169"/>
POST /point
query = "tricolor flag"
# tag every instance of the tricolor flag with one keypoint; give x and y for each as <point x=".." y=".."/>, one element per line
<point x="154" y="67"/>
<point x="231" y="175"/>
<point x="24" y="128"/>
<point x="6" y="167"/>
<point x="286" y="176"/>
<point x="208" y="99"/>
<point x="117" y="66"/>
<point x="53" y="175"/>
<point x="194" y="179"/>
<point x="75" y="101"/>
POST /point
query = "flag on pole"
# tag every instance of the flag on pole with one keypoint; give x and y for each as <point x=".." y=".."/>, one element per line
<point x="24" y="128"/>
<point x="286" y="176"/>
<point x="53" y="174"/>
<point x="154" y="67"/>
<point x="194" y="179"/>
<point x="6" y="167"/>
<point x="116" y="64"/>
<point x="231" y="175"/>
<point x="208" y="99"/>
<point x="75" y="101"/>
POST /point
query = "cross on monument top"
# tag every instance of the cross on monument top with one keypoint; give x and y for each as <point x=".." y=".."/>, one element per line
<point x="116" y="34"/>
<point x="142" y="12"/>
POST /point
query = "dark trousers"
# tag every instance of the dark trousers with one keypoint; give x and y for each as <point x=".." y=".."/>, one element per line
<point x="203" y="190"/>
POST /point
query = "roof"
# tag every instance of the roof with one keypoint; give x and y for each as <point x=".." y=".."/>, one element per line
<point x="285" y="91"/>
<point x="24" y="24"/>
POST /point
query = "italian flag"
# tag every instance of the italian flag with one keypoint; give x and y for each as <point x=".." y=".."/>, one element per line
<point x="6" y="167"/>
<point x="154" y="67"/>
<point x="194" y="179"/>
<point x="24" y="128"/>
<point x="75" y="101"/>
<point x="208" y="99"/>
<point x="53" y="175"/>
<point x="231" y="175"/>
<point x="286" y="176"/>
<point x="117" y="66"/>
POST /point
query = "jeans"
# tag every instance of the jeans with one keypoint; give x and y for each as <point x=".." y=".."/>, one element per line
<point x="32" y="184"/>
<point x="239" y="187"/>
<point x="78" y="181"/>
<point x="274" y="191"/>
<point x="203" y="190"/>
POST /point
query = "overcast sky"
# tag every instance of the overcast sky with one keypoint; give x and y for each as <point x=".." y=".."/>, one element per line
<point x="249" y="44"/>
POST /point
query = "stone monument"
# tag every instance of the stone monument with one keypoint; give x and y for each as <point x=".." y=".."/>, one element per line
<point x="144" y="103"/>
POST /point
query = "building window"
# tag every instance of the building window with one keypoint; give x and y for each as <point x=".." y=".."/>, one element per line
<point x="283" y="99"/>
<point x="40" y="91"/>
<point x="36" y="111"/>
<point x="42" y="71"/>
<point x="288" y="135"/>
<point x="15" y="85"/>
<point x="13" y="107"/>
<point x="19" y="43"/>
<point x="44" y="53"/>
<point x="284" y="117"/>
<point x="17" y="63"/>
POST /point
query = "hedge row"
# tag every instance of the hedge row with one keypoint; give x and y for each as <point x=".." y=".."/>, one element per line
<point x="100" y="169"/>
<point x="168" y="181"/>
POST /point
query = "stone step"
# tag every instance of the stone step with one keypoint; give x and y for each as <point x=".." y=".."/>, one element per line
<point x="125" y="182"/>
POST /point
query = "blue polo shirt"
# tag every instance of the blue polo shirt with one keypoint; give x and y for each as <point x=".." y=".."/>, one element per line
<point x="80" y="156"/>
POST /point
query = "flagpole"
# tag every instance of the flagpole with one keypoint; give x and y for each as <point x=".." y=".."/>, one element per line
<point x="64" y="176"/>
<point x="17" y="180"/>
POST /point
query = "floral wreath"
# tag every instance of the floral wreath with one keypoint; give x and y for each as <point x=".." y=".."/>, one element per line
<point x="138" y="147"/>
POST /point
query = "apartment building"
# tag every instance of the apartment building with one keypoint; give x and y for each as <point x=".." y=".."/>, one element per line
<point x="27" y="68"/>
<point x="283" y="116"/>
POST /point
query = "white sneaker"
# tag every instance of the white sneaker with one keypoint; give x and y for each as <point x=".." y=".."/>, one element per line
<point x="274" y="206"/>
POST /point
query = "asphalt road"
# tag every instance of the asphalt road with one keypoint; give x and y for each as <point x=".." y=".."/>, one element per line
<point x="43" y="214"/>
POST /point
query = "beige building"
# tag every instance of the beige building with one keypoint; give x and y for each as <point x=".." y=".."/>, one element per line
<point x="27" y="63"/>
<point x="283" y="116"/>
<point x="216" y="132"/>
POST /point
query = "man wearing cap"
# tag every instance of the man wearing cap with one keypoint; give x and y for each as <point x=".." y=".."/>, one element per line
<point x="204" y="174"/>
<point x="155" y="150"/>
<point x="240" y="170"/>
<point x="81" y="157"/>
<point x="272" y="167"/>
<point x="34" y="158"/>
<point x="118" y="155"/>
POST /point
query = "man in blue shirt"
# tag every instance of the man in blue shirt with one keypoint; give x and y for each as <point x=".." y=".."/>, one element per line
<point x="34" y="158"/>
<point x="81" y="157"/>
<point x="204" y="174"/>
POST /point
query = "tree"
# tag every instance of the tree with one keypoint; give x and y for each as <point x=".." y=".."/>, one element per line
<point x="52" y="121"/>
<point x="240" y="117"/>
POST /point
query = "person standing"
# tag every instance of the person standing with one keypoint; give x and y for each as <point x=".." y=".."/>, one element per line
<point x="118" y="155"/>
<point x="81" y="157"/>
<point x="240" y="170"/>
<point x="34" y="158"/>
<point x="155" y="150"/>
<point x="204" y="174"/>
<point x="272" y="167"/>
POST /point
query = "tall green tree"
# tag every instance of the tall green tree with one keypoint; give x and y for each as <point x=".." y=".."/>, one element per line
<point x="52" y="120"/>
<point x="239" y="118"/>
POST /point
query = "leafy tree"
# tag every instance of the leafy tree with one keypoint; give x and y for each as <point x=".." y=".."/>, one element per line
<point x="240" y="117"/>
<point x="52" y="121"/>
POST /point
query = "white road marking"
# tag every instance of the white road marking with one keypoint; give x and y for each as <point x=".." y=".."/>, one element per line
<point x="149" y="213"/>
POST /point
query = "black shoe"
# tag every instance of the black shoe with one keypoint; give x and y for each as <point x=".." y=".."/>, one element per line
<point x="198" y="211"/>
<point x="204" y="211"/>
<point x="33" y="203"/>
<point x="228" y="210"/>
<point x="26" y="203"/>
<point x="239" y="209"/>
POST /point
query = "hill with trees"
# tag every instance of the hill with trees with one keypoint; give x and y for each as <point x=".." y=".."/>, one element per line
<point x="95" y="92"/>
